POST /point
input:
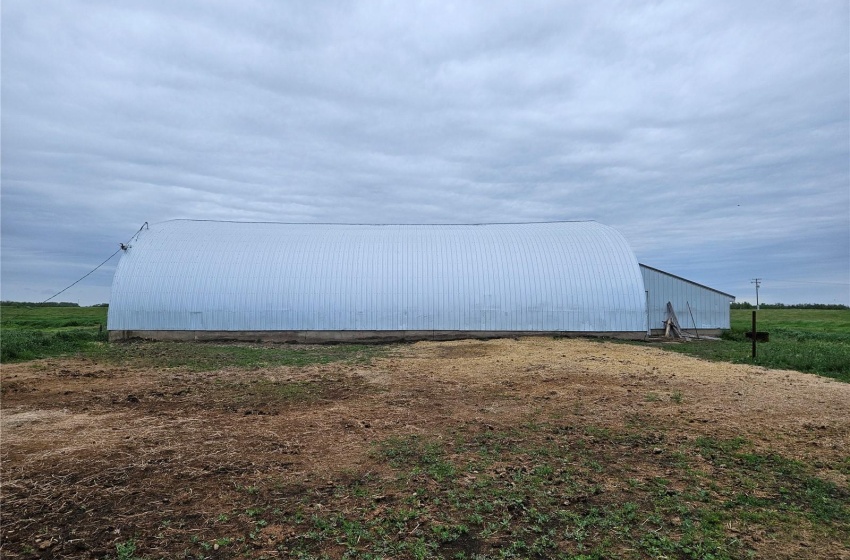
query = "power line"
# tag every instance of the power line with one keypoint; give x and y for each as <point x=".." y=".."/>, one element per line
<point x="124" y="247"/>
<point x="809" y="282"/>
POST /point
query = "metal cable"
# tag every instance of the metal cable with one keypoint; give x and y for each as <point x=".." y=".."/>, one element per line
<point x="84" y="277"/>
<point x="98" y="266"/>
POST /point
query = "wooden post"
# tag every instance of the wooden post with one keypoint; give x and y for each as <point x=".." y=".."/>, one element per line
<point x="754" y="334"/>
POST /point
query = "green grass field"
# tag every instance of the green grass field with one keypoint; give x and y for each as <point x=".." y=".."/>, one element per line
<point x="807" y="340"/>
<point x="51" y="318"/>
<point x="28" y="333"/>
<point x="800" y="320"/>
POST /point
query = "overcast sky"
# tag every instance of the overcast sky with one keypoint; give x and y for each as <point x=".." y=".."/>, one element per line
<point x="715" y="136"/>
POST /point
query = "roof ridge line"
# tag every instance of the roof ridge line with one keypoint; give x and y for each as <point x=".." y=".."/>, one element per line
<point x="378" y="224"/>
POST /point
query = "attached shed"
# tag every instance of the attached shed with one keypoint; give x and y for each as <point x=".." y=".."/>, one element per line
<point x="697" y="307"/>
<point x="206" y="280"/>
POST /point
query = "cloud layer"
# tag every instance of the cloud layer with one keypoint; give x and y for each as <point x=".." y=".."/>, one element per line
<point x="714" y="136"/>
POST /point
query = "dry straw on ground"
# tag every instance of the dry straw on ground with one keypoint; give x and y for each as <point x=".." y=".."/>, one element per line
<point x="95" y="454"/>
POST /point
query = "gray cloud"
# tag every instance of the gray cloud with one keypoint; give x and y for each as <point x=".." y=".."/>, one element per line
<point x="716" y="137"/>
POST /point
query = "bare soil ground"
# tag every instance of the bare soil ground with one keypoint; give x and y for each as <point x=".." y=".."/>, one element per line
<point x="95" y="455"/>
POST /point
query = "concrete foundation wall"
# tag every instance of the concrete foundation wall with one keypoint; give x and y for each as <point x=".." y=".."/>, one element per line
<point x="320" y="337"/>
<point x="692" y="332"/>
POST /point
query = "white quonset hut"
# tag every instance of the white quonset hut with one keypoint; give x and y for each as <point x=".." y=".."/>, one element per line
<point x="205" y="280"/>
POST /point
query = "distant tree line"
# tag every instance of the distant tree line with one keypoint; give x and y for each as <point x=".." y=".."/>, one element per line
<point x="748" y="305"/>
<point x="46" y="304"/>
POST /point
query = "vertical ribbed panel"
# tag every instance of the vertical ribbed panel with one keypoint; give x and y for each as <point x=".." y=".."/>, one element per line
<point x="230" y="276"/>
<point x="709" y="307"/>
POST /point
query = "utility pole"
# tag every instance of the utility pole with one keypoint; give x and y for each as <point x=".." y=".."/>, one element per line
<point x="757" y="282"/>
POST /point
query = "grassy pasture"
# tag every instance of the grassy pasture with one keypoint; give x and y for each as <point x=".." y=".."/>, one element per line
<point x="798" y="320"/>
<point x="51" y="318"/>
<point x="807" y="340"/>
<point x="28" y="333"/>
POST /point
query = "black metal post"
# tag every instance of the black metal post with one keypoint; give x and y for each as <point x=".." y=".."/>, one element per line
<point x="754" y="335"/>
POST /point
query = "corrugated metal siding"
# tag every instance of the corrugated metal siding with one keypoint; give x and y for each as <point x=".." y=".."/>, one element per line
<point x="710" y="308"/>
<point x="229" y="276"/>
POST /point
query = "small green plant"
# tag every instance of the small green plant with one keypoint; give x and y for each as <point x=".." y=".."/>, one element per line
<point x="253" y="512"/>
<point x="449" y="533"/>
<point x="126" y="550"/>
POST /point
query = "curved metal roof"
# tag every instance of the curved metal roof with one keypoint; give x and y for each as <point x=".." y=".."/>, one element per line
<point x="233" y="276"/>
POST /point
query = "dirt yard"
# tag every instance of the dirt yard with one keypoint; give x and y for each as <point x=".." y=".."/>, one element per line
<point x="103" y="460"/>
